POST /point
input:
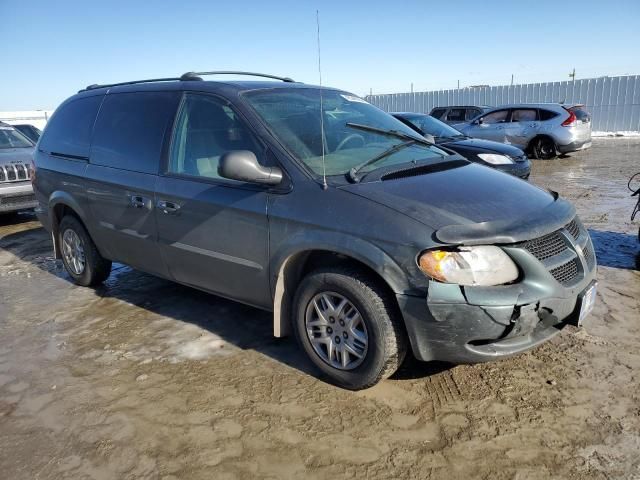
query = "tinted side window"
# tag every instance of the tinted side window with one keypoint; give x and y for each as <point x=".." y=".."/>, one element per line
<point x="547" y="114"/>
<point x="456" y="115"/>
<point x="499" y="116"/>
<point x="438" y="112"/>
<point x="68" y="132"/>
<point x="206" y="128"/>
<point x="524" y="115"/>
<point x="130" y="130"/>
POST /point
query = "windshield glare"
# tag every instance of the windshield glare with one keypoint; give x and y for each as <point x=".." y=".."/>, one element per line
<point x="11" y="138"/>
<point x="432" y="126"/>
<point x="294" y="118"/>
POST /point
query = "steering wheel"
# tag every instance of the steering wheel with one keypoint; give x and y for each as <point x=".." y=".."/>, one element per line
<point x="348" y="138"/>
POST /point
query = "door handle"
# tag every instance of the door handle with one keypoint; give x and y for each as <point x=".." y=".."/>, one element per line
<point x="138" y="201"/>
<point x="170" y="208"/>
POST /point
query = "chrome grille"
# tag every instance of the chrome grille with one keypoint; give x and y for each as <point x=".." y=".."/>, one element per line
<point x="566" y="273"/>
<point x="15" y="172"/>
<point x="557" y="243"/>
<point x="573" y="228"/>
<point x="547" y="246"/>
<point x="589" y="256"/>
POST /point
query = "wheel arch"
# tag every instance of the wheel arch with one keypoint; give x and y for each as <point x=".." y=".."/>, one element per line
<point x="290" y="265"/>
<point x="538" y="136"/>
<point x="61" y="204"/>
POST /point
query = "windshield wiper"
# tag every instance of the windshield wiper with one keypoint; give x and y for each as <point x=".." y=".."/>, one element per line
<point x="353" y="172"/>
<point x="390" y="133"/>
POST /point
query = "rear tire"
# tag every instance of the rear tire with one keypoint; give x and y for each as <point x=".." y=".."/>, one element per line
<point x="368" y="325"/>
<point x="80" y="257"/>
<point x="543" y="148"/>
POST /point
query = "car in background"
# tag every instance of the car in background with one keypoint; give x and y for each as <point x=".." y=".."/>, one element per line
<point x="29" y="131"/>
<point x="543" y="130"/>
<point x="457" y="114"/>
<point x="16" y="151"/>
<point x="506" y="158"/>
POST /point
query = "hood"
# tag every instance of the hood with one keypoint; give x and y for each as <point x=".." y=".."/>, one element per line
<point x="475" y="203"/>
<point x="488" y="146"/>
<point x="20" y="155"/>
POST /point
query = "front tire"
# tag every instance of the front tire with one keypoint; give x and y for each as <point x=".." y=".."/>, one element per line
<point x="543" y="148"/>
<point x="80" y="257"/>
<point x="349" y="326"/>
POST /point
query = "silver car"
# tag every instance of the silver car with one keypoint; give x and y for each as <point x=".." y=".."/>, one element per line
<point x="543" y="130"/>
<point x="16" y="150"/>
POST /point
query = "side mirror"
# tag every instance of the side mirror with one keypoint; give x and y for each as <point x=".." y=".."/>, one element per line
<point x="243" y="165"/>
<point x="478" y="122"/>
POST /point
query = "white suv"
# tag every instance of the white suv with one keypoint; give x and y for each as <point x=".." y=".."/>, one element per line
<point x="16" y="151"/>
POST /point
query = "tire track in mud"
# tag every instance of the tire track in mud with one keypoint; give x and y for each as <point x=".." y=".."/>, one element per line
<point x="443" y="389"/>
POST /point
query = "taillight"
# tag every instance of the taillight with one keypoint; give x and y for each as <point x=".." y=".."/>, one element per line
<point x="569" y="121"/>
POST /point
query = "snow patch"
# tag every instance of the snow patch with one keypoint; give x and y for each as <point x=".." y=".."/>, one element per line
<point x="623" y="133"/>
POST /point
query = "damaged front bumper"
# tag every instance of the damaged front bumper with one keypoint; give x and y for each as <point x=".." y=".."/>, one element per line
<point x="478" y="324"/>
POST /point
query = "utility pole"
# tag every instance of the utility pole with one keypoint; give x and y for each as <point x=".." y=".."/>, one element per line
<point x="512" y="79"/>
<point x="573" y="75"/>
<point x="411" y="87"/>
<point x="458" y="84"/>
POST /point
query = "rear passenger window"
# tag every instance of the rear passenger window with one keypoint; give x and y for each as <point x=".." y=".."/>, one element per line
<point x="547" y="115"/>
<point x="456" y="115"/>
<point x="68" y="132"/>
<point x="207" y="128"/>
<point x="130" y="130"/>
<point x="524" y="115"/>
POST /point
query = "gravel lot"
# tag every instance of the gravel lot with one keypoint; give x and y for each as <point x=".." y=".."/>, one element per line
<point x="144" y="378"/>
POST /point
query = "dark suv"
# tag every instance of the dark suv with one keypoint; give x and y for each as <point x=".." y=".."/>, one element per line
<point x="362" y="237"/>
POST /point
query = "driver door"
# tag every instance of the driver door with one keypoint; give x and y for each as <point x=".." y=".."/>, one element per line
<point x="213" y="232"/>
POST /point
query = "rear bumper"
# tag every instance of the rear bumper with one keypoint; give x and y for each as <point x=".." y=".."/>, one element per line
<point x="447" y="328"/>
<point x="574" y="146"/>
<point x="16" y="196"/>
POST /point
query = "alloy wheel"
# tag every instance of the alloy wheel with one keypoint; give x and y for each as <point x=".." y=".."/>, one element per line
<point x="73" y="252"/>
<point x="336" y="330"/>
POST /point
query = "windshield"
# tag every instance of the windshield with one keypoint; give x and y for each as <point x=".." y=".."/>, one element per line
<point x="294" y="117"/>
<point x="11" y="138"/>
<point x="432" y="126"/>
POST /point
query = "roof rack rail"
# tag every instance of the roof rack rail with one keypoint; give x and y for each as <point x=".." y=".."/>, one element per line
<point x="132" y="82"/>
<point x="189" y="76"/>
<point x="196" y="75"/>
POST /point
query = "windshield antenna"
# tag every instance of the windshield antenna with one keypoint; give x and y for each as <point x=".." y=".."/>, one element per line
<point x="324" y="169"/>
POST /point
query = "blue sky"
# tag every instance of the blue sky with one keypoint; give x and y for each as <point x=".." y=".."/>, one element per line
<point x="53" y="48"/>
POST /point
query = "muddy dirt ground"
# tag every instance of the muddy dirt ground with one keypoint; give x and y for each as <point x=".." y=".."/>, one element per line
<point x="143" y="378"/>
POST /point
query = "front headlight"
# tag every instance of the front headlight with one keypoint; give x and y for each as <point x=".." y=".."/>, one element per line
<point x="495" y="159"/>
<point x="482" y="265"/>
